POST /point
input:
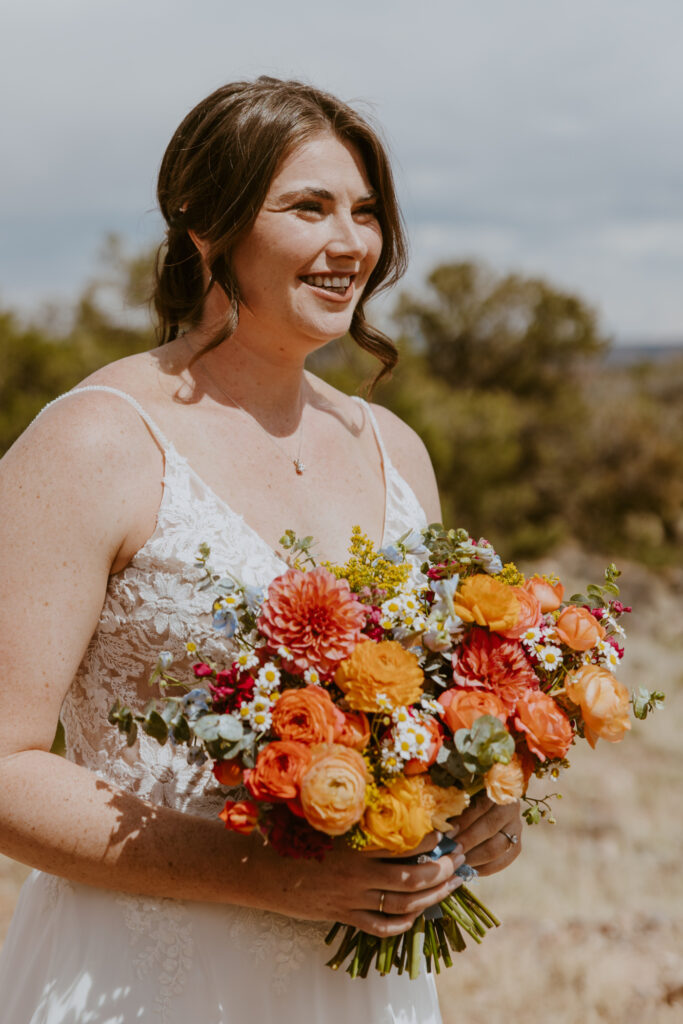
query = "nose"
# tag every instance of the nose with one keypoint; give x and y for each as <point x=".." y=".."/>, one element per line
<point x="347" y="239"/>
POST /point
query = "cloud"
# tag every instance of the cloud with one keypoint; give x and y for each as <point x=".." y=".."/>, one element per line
<point x="531" y="134"/>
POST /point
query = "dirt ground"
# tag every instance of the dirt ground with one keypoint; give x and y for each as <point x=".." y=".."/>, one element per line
<point x="592" y="911"/>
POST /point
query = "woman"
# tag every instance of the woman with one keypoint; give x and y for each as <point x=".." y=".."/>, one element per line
<point x="282" y="220"/>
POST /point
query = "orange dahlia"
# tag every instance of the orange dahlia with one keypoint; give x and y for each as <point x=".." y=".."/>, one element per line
<point x="314" y="616"/>
<point x="487" y="661"/>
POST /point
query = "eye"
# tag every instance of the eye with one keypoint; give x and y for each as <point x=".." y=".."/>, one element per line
<point x="366" y="211"/>
<point x="309" y="206"/>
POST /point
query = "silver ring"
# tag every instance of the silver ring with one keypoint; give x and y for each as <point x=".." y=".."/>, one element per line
<point x="380" y="909"/>
<point x="512" y="840"/>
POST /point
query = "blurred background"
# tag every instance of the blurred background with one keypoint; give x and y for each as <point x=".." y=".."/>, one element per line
<point x="540" y="168"/>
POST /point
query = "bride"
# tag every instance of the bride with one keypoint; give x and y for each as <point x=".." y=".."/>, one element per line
<point x="282" y="221"/>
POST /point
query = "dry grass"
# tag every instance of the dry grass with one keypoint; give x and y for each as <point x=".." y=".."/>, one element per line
<point x="593" y="910"/>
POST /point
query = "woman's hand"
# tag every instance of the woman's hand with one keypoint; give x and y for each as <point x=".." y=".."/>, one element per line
<point x="351" y="887"/>
<point x="483" y="831"/>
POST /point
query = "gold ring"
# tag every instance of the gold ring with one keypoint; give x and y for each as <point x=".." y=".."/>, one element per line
<point x="380" y="909"/>
<point x="512" y="840"/>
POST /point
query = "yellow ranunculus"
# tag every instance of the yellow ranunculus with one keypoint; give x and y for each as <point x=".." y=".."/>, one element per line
<point x="382" y="668"/>
<point x="488" y="602"/>
<point x="400" y="818"/>
<point x="444" y="802"/>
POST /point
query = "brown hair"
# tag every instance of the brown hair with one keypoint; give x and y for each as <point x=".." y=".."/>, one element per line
<point x="214" y="178"/>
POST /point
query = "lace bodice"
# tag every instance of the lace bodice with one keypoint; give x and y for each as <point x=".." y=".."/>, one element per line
<point x="153" y="605"/>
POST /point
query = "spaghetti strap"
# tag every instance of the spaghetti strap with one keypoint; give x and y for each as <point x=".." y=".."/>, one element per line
<point x="386" y="461"/>
<point x="155" y="431"/>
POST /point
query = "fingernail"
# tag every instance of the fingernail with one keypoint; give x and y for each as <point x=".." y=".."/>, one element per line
<point x="452" y="833"/>
<point x="459" y="848"/>
<point x="454" y="882"/>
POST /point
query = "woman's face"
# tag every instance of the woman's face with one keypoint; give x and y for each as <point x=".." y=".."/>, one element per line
<point x="303" y="266"/>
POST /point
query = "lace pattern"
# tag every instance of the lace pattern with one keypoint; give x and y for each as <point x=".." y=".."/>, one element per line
<point x="153" y="605"/>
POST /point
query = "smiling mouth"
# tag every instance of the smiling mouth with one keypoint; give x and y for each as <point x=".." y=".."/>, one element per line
<point x="338" y="284"/>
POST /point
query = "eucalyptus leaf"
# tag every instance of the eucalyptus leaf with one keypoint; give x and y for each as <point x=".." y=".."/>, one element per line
<point x="230" y="728"/>
<point x="206" y="727"/>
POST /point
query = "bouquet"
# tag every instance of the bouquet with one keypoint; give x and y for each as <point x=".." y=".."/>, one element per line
<point x="370" y="701"/>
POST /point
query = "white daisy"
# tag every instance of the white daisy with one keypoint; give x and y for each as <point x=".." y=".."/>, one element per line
<point x="312" y="677"/>
<point x="268" y="677"/>
<point x="246" y="660"/>
<point x="549" y="656"/>
<point x="390" y="762"/>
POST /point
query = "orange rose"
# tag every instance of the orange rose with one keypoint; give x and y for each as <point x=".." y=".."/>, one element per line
<point x="228" y="773"/>
<point x="444" y="802"/>
<point x="505" y="783"/>
<point x="400" y="817"/>
<point x="488" y="602"/>
<point x="279" y="769"/>
<point x="355" y="731"/>
<point x="547" y="728"/>
<point x="463" y="707"/>
<point x="578" y="629"/>
<point x="417" y="764"/>
<point x="529" y="617"/>
<point x="333" y="789"/>
<point x="604" y="703"/>
<point x="549" y="595"/>
<point x="240" y="816"/>
<point x="307" y="716"/>
<point x="383" y="668"/>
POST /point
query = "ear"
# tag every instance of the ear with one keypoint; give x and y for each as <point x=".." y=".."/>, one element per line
<point x="201" y="245"/>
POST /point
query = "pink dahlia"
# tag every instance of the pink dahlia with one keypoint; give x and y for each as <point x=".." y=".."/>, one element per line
<point x="315" y="617"/>
<point x="487" y="661"/>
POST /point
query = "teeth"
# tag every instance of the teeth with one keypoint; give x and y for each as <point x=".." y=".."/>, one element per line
<point x="327" y="282"/>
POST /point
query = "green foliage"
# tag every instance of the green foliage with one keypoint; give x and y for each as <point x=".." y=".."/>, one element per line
<point x="534" y="438"/>
<point x="39" y="363"/>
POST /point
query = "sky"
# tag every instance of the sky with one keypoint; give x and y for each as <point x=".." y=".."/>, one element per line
<point x="540" y="136"/>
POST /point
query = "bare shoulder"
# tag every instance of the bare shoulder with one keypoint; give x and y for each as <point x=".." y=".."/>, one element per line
<point x="409" y="454"/>
<point x="88" y="460"/>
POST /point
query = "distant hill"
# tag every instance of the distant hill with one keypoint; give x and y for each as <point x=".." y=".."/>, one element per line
<point x="628" y="354"/>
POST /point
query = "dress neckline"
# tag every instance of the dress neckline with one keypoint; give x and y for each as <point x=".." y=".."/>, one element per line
<point x="172" y="454"/>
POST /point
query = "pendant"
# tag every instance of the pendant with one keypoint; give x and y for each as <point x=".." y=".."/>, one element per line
<point x="298" y="466"/>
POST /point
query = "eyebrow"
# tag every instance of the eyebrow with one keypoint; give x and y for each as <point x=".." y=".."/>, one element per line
<point x="318" y="193"/>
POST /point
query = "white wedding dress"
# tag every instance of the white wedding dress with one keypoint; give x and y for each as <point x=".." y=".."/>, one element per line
<point x="81" y="955"/>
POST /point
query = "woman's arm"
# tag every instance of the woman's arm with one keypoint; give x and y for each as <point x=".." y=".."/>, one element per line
<point x="77" y="492"/>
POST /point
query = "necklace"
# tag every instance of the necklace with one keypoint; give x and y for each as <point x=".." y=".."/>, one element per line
<point x="299" y="466"/>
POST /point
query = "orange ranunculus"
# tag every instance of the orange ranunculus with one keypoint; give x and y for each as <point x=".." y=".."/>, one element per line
<point x="333" y="789"/>
<point x="488" y="602"/>
<point x="604" y="703"/>
<point x="240" y="816"/>
<point x="505" y="783"/>
<point x="444" y="802"/>
<point x="279" y="769"/>
<point x="578" y="629"/>
<point x="307" y="716"/>
<point x="418" y="764"/>
<point x="380" y="668"/>
<point x="548" y="731"/>
<point x="229" y="773"/>
<point x="461" y="708"/>
<point x="530" y="614"/>
<point x="549" y="595"/>
<point x="400" y="817"/>
<point x="355" y="731"/>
